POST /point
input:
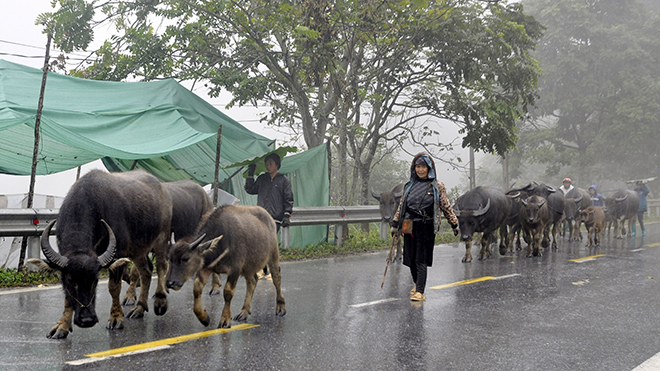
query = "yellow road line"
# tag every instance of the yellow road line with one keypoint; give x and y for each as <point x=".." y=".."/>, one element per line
<point x="174" y="340"/>
<point x="465" y="282"/>
<point x="653" y="244"/>
<point x="586" y="258"/>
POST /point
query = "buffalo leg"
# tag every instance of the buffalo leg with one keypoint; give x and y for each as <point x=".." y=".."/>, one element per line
<point x="200" y="312"/>
<point x="63" y="327"/>
<point x="554" y="235"/>
<point x="215" y="284"/>
<point x="250" y="283"/>
<point x="145" y="282"/>
<point x="504" y="234"/>
<point x="468" y="252"/>
<point x="228" y="293"/>
<point x="160" y="299"/>
<point x="274" y="266"/>
<point x="116" y="320"/>
<point x="134" y="278"/>
<point x="484" y="252"/>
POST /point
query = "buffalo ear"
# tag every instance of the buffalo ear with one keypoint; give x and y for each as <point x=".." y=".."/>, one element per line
<point x="43" y="267"/>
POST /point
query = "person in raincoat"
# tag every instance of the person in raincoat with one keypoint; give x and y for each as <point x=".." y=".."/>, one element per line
<point x="642" y="190"/>
<point x="596" y="198"/>
<point x="424" y="197"/>
<point x="273" y="190"/>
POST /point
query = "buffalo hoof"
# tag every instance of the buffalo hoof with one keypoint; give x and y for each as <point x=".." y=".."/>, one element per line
<point x="467" y="259"/>
<point x="58" y="333"/>
<point x="160" y="306"/>
<point x="204" y="319"/>
<point x="281" y="311"/>
<point x="115" y="324"/>
<point x="136" y="313"/>
<point x="225" y="323"/>
<point x="215" y="291"/>
<point x="242" y="316"/>
<point x="128" y="301"/>
<point x="502" y="250"/>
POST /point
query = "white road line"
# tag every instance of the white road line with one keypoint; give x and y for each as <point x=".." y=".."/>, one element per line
<point x="651" y="364"/>
<point x="84" y="361"/>
<point x="507" y="276"/>
<point x="373" y="303"/>
<point x="636" y="250"/>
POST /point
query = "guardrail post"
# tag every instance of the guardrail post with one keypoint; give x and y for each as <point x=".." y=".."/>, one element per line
<point x="339" y="234"/>
<point x="286" y="241"/>
<point x="34" y="247"/>
<point x="384" y="230"/>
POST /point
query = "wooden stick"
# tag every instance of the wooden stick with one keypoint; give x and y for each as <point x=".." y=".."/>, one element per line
<point x="395" y="238"/>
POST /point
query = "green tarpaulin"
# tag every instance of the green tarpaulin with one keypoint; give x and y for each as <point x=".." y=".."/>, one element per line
<point x="167" y="129"/>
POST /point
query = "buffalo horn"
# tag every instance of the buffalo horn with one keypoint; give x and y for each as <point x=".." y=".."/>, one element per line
<point x="514" y="196"/>
<point x="524" y="202"/>
<point x="550" y="189"/>
<point x="194" y="244"/>
<point x="542" y="202"/>
<point x="106" y="258"/>
<point x="619" y="199"/>
<point x="579" y="199"/>
<point x="482" y="210"/>
<point x="53" y="256"/>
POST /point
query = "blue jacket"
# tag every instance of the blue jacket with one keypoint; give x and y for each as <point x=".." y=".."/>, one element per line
<point x="642" y="192"/>
<point x="596" y="199"/>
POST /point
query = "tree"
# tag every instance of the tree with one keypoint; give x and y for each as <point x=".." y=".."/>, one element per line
<point x="362" y="73"/>
<point x="597" y="114"/>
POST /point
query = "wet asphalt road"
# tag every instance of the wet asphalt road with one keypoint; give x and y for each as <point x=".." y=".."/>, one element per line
<point x="547" y="313"/>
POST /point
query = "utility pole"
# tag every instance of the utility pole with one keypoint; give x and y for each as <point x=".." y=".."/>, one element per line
<point x="473" y="180"/>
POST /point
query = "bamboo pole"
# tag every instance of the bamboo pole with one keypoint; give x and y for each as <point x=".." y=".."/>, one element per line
<point x="35" y="152"/>
<point x="217" y="167"/>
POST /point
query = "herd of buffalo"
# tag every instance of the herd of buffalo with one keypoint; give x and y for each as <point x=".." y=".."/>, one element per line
<point x="108" y="220"/>
<point x="538" y="212"/>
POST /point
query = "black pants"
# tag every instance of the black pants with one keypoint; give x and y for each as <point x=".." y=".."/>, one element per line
<point x="418" y="252"/>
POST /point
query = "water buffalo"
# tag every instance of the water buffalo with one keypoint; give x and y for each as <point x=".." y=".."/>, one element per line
<point x="513" y="220"/>
<point x="389" y="202"/>
<point x="483" y="209"/>
<point x="593" y="218"/>
<point x="236" y="240"/>
<point x="622" y="206"/>
<point x="190" y="203"/>
<point x="534" y="217"/>
<point x="105" y="217"/>
<point x="555" y="204"/>
<point x="576" y="200"/>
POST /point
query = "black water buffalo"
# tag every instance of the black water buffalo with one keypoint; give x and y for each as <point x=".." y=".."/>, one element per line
<point x="622" y="206"/>
<point x="190" y="203"/>
<point x="483" y="209"/>
<point x="389" y="202"/>
<point x="236" y="240"/>
<point x="593" y="218"/>
<point x="534" y="218"/>
<point x="105" y="217"/>
<point x="555" y="204"/>
<point x="576" y="200"/>
<point x="513" y="220"/>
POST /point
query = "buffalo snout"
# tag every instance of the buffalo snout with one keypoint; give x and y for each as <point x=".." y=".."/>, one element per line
<point x="174" y="285"/>
<point x="85" y="318"/>
<point x="466" y="237"/>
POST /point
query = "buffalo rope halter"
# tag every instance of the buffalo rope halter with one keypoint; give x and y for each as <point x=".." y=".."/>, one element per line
<point x="91" y="300"/>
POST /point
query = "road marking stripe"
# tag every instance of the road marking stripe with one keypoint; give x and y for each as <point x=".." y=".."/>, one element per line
<point x="587" y="258"/>
<point x="464" y="282"/>
<point x="156" y="345"/>
<point x="636" y="250"/>
<point x="650" y="364"/>
<point x="653" y="244"/>
<point x="373" y="303"/>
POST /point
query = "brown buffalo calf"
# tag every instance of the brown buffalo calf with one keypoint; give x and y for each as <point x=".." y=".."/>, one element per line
<point x="236" y="240"/>
<point x="593" y="218"/>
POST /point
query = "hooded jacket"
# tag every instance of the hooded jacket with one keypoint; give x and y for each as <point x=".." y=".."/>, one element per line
<point x="440" y="200"/>
<point x="596" y="199"/>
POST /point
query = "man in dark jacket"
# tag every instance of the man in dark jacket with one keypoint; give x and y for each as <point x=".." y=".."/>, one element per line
<point x="273" y="190"/>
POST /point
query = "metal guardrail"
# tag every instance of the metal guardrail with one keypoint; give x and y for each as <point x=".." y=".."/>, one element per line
<point x="32" y="222"/>
<point x="25" y="222"/>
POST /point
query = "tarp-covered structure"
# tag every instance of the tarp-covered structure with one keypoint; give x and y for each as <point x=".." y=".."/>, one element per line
<point x="159" y="126"/>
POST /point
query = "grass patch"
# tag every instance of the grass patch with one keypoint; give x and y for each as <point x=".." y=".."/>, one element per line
<point x="14" y="278"/>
